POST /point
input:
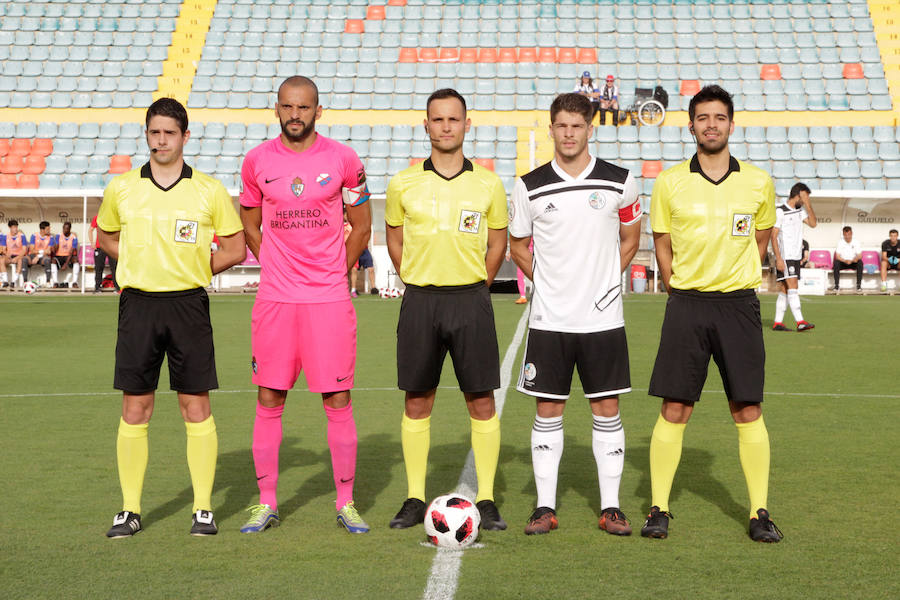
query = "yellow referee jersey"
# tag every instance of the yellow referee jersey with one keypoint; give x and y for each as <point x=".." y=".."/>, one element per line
<point x="713" y="224"/>
<point x="445" y="222"/>
<point x="165" y="234"/>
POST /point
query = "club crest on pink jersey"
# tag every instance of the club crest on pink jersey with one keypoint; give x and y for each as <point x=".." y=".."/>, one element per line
<point x="297" y="186"/>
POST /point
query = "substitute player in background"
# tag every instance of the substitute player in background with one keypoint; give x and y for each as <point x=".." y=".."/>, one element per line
<point x="890" y="257"/>
<point x="712" y="217"/>
<point x="294" y="188"/>
<point x="446" y="234"/>
<point x="65" y="253"/>
<point x="787" y="245"/>
<point x="13" y="251"/>
<point x="158" y="221"/>
<point x="575" y="204"/>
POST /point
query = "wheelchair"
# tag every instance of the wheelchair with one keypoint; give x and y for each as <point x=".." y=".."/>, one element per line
<point x="648" y="108"/>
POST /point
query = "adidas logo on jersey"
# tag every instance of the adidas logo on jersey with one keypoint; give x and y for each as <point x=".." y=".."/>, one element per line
<point x="550" y="208"/>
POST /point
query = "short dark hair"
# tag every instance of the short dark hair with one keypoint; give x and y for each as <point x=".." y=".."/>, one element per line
<point x="168" y="107"/>
<point x="43" y="224"/>
<point x="443" y="94"/>
<point x="300" y="81"/>
<point x="797" y="188"/>
<point x="847" y="228"/>
<point x="708" y="94"/>
<point x="12" y="222"/>
<point x="69" y="223"/>
<point x="573" y="103"/>
<point x="892" y="231"/>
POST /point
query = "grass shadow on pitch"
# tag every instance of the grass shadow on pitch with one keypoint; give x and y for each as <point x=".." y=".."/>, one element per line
<point x="694" y="475"/>
<point x="235" y="476"/>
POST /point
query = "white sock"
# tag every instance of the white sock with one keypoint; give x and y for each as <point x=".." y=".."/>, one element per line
<point x="54" y="272"/>
<point x="608" y="443"/>
<point x="76" y="270"/>
<point x="780" y="307"/>
<point x="546" y="452"/>
<point x="3" y="276"/>
<point x="793" y="298"/>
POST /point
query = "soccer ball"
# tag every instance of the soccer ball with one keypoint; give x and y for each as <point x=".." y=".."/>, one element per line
<point x="452" y="521"/>
<point x="29" y="287"/>
<point x="384" y="293"/>
<point x="395" y="293"/>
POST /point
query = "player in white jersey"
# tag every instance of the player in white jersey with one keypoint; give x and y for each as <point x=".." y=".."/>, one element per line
<point x="787" y="244"/>
<point x="584" y="217"/>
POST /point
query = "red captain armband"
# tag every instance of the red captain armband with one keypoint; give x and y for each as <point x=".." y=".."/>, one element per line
<point x="630" y="214"/>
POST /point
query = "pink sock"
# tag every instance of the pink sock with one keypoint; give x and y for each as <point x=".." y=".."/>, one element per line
<point x="342" y="443"/>
<point x="520" y="281"/>
<point x="266" y="443"/>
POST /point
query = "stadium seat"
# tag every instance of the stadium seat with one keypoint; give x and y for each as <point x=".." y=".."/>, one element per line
<point x="821" y="259"/>
<point x="12" y="164"/>
<point x="28" y="181"/>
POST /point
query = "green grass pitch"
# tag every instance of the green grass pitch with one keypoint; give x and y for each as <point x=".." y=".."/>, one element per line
<point x="832" y="395"/>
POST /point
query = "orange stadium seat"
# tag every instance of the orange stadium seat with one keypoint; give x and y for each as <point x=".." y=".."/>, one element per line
<point x="20" y="146"/>
<point x="651" y="168"/>
<point x="689" y="87"/>
<point x="428" y="55"/>
<point x="4" y="146"/>
<point x="449" y="55"/>
<point x="567" y="55"/>
<point x="354" y="26"/>
<point x="527" y="55"/>
<point x="487" y="55"/>
<point x="853" y="71"/>
<point x="413" y="160"/>
<point x="8" y="181"/>
<point x="487" y="163"/>
<point x="408" y="55"/>
<point x="34" y="164"/>
<point x="547" y="55"/>
<point x="587" y="56"/>
<point x="42" y="147"/>
<point x="119" y="163"/>
<point x="396" y="2"/>
<point x="375" y="12"/>
<point x="468" y="55"/>
<point x="508" y="55"/>
<point x="770" y="72"/>
<point x="28" y="181"/>
<point x="12" y="164"/>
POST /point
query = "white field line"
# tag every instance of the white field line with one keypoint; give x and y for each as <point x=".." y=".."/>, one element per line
<point x="444" y="575"/>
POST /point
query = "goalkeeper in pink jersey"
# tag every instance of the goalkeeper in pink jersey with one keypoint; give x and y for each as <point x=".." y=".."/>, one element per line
<point x="294" y="189"/>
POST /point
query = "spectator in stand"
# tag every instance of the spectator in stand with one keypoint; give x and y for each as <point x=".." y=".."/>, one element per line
<point x="40" y="250"/>
<point x="65" y="253"/>
<point x="609" y="100"/>
<point x="100" y="260"/>
<point x="586" y="87"/>
<point x="848" y="255"/>
<point x="13" y="251"/>
<point x="890" y="257"/>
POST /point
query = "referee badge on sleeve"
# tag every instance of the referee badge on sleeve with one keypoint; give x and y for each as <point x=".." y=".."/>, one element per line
<point x="741" y="224"/>
<point x="469" y="221"/>
<point x="186" y="231"/>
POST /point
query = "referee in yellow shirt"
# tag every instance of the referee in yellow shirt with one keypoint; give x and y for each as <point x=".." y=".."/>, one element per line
<point x="446" y="235"/>
<point x="711" y="217"/>
<point x="158" y="221"/>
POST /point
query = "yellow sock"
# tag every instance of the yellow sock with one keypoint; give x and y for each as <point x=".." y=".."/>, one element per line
<point x="202" y="451"/>
<point x="665" y="452"/>
<point x="753" y="441"/>
<point x="486" y="450"/>
<point x="132" y="449"/>
<point x="415" y="438"/>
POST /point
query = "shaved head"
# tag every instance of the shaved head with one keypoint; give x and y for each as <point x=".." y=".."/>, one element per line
<point x="299" y="81"/>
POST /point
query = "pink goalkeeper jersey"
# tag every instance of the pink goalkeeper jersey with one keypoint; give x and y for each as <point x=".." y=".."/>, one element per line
<point x="303" y="257"/>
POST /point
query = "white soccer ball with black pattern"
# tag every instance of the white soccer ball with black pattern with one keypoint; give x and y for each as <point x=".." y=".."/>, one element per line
<point x="452" y="521"/>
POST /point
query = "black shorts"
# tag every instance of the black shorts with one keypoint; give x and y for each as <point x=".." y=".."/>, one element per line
<point x="365" y="259"/>
<point x="434" y="320"/>
<point x="697" y="325"/>
<point x="550" y="356"/>
<point x="157" y="324"/>
<point x="793" y="271"/>
<point x="61" y="260"/>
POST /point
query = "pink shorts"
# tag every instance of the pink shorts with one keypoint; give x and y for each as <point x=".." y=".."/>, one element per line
<point x="318" y="339"/>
